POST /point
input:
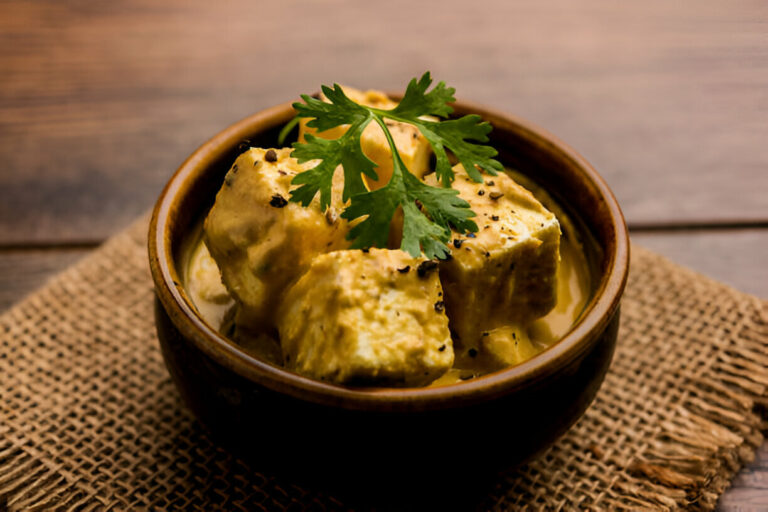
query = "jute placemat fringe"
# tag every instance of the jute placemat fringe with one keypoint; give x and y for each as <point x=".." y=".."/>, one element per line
<point x="89" y="419"/>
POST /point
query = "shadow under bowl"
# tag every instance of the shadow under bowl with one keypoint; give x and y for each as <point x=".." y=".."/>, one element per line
<point x="281" y="420"/>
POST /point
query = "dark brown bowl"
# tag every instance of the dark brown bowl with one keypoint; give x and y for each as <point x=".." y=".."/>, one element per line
<point x="278" y="417"/>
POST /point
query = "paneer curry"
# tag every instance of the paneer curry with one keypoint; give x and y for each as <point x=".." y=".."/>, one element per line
<point x="281" y="280"/>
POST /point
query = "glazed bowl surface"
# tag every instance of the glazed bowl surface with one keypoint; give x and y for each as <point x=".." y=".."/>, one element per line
<point x="280" y="419"/>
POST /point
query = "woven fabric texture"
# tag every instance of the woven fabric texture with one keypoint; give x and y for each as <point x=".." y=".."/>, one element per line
<point x="90" y="420"/>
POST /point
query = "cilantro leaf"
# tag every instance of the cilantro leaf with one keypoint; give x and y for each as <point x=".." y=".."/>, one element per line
<point x="346" y="151"/>
<point x="429" y="212"/>
<point x="417" y="102"/>
<point x="420" y="233"/>
<point x="338" y="110"/>
<point x="455" y="135"/>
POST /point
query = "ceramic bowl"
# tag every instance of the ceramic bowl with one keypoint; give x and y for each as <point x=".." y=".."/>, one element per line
<point x="277" y="417"/>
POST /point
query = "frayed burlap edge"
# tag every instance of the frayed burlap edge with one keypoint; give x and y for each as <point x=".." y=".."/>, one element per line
<point x="91" y="421"/>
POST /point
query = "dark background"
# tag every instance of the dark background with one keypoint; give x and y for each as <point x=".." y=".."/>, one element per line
<point x="101" y="101"/>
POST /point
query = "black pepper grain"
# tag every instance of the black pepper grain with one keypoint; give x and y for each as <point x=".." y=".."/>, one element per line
<point x="471" y="235"/>
<point x="487" y="254"/>
<point x="270" y="156"/>
<point x="496" y="195"/>
<point x="457" y="243"/>
<point x="490" y="183"/>
<point x="481" y="192"/>
<point x="442" y="347"/>
<point x="472" y="352"/>
<point x="440" y="306"/>
<point x="494" y="217"/>
<point x="404" y="270"/>
<point x="278" y="201"/>
<point x="425" y="267"/>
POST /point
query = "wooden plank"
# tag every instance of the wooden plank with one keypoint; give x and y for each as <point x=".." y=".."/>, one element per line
<point x="100" y="103"/>
<point x="23" y="271"/>
<point x="749" y="491"/>
<point x="759" y="465"/>
<point x="734" y="257"/>
<point x="743" y="499"/>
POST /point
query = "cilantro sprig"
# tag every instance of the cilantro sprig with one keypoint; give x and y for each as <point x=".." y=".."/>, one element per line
<point x="429" y="212"/>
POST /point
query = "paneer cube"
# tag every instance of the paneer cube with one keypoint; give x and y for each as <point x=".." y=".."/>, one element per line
<point x="504" y="274"/>
<point x="506" y="346"/>
<point x="261" y="242"/>
<point x="205" y="278"/>
<point x="367" y="317"/>
<point x="414" y="149"/>
<point x="204" y="286"/>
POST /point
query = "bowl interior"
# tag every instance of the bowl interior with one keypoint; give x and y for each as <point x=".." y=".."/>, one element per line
<point x="569" y="179"/>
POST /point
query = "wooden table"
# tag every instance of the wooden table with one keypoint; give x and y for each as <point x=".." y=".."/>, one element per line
<point x="100" y="102"/>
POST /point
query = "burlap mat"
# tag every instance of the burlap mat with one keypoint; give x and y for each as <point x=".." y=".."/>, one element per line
<point x="91" y="421"/>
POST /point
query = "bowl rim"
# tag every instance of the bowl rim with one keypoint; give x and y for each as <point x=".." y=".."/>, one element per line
<point x="595" y="319"/>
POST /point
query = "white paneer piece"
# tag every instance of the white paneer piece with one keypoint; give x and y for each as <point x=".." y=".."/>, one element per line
<point x="367" y="317"/>
<point x="205" y="288"/>
<point x="260" y="241"/>
<point x="506" y="273"/>
<point x="205" y="278"/>
<point x="414" y="149"/>
<point x="506" y="346"/>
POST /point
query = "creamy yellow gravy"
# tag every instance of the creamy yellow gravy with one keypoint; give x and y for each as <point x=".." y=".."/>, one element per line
<point x="216" y="307"/>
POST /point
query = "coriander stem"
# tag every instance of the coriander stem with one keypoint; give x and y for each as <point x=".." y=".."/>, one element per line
<point x="397" y="162"/>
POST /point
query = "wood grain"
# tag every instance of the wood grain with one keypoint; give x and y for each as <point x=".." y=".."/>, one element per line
<point x="99" y="103"/>
<point x="23" y="271"/>
<point x="734" y="257"/>
<point x="750" y="488"/>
